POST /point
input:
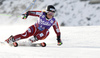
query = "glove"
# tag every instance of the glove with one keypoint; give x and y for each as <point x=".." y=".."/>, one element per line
<point x="59" y="41"/>
<point x="25" y="15"/>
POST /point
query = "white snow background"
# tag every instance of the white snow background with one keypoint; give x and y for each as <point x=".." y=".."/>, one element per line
<point x="79" y="40"/>
<point x="69" y="12"/>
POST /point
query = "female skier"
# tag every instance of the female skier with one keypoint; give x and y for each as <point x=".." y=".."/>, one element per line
<point x="40" y="30"/>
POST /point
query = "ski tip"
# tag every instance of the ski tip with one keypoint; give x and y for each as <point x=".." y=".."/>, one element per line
<point x="15" y="44"/>
<point x="43" y="44"/>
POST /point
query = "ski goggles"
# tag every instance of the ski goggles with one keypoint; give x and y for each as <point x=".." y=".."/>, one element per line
<point x="51" y="13"/>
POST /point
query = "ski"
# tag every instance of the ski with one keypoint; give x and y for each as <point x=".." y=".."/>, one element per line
<point x="14" y="44"/>
<point x="43" y="44"/>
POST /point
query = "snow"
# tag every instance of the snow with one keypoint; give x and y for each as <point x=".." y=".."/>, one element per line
<point x="69" y="12"/>
<point x="78" y="42"/>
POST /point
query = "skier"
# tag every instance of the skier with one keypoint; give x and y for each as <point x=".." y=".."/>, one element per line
<point x="39" y="30"/>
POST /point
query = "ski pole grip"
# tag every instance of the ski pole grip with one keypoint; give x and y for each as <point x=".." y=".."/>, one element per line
<point x="34" y="0"/>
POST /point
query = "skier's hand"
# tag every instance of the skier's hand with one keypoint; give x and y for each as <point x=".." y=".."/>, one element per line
<point x="25" y="15"/>
<point x="59" y="41"/>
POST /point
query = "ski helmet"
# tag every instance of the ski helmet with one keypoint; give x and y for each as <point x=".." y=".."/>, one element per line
<point x="51" y="8"/>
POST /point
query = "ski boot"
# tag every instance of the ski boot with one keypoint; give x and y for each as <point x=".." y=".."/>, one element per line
<point x="33" y="39"/>
<point x="11" y="41"/>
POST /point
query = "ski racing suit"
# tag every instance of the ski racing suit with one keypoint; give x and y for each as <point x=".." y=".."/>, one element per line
<point x="41" y="28"/>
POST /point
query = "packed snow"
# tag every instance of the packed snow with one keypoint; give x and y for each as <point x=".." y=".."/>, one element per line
<point x="78" y="42"/>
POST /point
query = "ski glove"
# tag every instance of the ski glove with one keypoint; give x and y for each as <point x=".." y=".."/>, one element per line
<point x="59" y="41"/>
<point x="25" y="15"/>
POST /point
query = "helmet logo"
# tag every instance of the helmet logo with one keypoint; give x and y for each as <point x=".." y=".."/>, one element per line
<point x="52" y="9"/>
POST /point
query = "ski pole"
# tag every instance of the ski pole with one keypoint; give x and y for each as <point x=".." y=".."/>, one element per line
<point x="29" y="6"/>
<point x="33" y="4"/>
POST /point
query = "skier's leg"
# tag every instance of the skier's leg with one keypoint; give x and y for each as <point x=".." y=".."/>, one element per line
<point x="31" y="30"/>
<point x="39" y="35"/>
<point x="42" y="35"/>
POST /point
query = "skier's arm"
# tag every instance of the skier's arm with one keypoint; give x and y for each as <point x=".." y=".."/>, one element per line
<point x="57" y="31"/>
<point x="32" y="13"/>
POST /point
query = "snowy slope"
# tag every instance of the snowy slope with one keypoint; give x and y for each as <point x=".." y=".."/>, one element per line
<point x="78" y="42"/>
<point x="69" y="12"/>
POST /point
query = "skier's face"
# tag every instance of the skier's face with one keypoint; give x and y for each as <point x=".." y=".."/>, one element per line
<point x="50" y="13"/>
